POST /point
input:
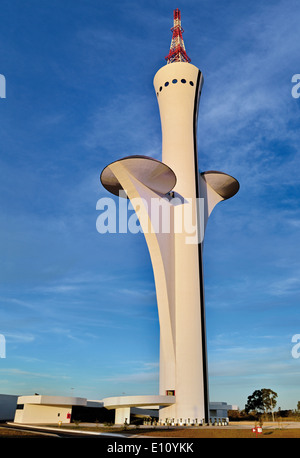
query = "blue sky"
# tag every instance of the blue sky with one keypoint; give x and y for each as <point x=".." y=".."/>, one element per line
<point x="77" y="308"/>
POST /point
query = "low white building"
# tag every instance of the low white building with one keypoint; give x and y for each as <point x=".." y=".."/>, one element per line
<point x="41" y="409"/>
<point x="46" y="409"/>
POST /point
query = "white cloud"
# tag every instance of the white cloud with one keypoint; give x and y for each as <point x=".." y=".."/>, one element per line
<point x="19" y="337"/>
<point x="285" y="286"/>
<point x="141" y="372"/>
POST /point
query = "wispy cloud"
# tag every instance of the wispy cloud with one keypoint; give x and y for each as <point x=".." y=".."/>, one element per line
<point x="18" y="337"/>
<point x="20" y="372"/>
<point x="247" y="103"/>
<point x="145" y="372"/>
<point x="285" y="286"/>
<point x="129" y="116"/>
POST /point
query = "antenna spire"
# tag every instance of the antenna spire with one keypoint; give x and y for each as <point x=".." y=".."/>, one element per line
<point x="177" y="49"/>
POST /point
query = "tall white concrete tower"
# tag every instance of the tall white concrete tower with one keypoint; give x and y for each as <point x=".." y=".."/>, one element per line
<point x="178" y="188"/>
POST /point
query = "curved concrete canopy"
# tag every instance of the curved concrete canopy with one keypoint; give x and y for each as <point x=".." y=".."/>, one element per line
<point x="152" y="173"/>
<point x="224" y="185"/>
<point x="138" y="401"/>
<point x="52" y="400"/>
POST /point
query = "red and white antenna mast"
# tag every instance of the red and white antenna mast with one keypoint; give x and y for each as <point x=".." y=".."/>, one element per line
<point x="177" y="49"/>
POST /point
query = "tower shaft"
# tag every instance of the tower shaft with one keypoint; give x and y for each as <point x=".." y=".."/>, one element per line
<point x="178" y="87"/>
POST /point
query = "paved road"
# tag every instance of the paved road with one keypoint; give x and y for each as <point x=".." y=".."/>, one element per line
<point x="7" y="431"/>
<point x="58" y="433"/>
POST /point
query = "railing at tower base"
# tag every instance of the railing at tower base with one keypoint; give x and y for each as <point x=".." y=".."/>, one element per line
<point x="213" y="421"/>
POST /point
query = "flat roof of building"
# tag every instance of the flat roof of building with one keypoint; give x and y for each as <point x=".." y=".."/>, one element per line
<point x="52" y="400"/>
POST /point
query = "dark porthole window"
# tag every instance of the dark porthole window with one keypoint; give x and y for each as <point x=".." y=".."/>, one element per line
<point x="167" y="83"/>
<point x="174" y="81"/>
<point x="183" y="81"/>
<point x="191" y="83"/>
<point x="160" y="89"/>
